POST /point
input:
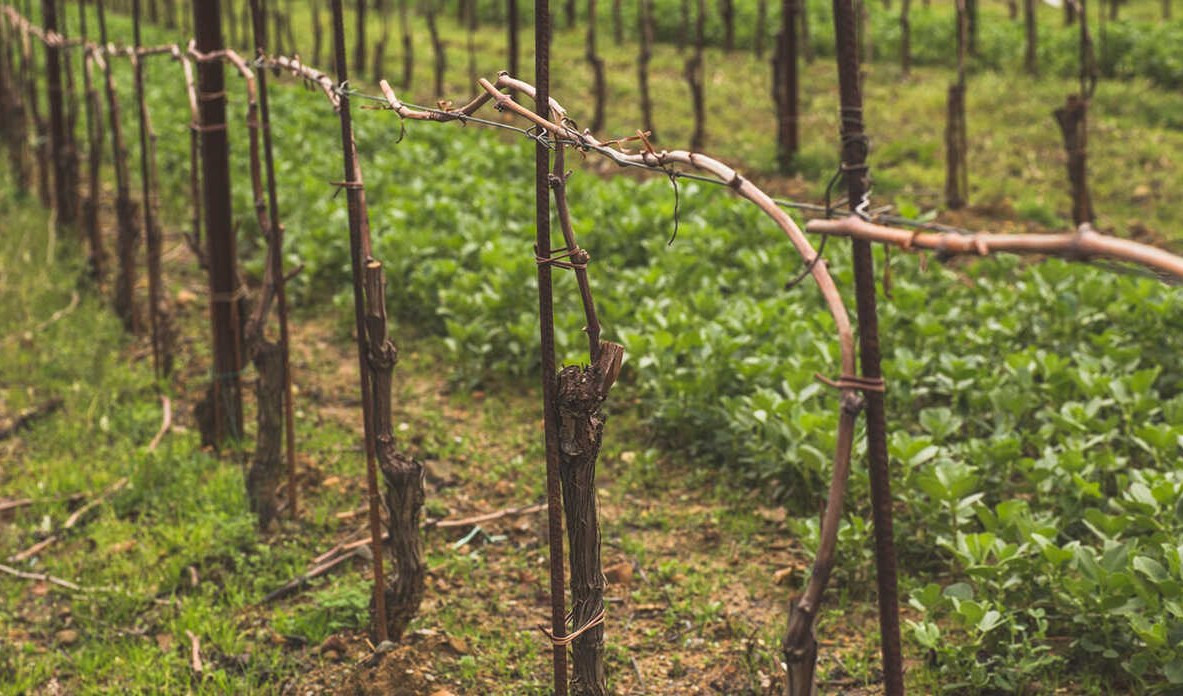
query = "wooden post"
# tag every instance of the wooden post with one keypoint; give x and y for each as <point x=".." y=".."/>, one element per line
<point x="408" y="44"/>
<point x="359" y="55"/>
<point x="94" y="160"/>
<point x="511" y="22"/>
<point x="906" y="37"/>
<point x="225" y="394"/>
<point x="761" y="28"/>
<point x="70" y="105"/>
<point x="128" y="232"/>
<point x="693" y="72"/>
<point x="599" y="88"/>
<point x="956" y="142"/>
<point x="727" y="12"/>
<point x="645" y="33"/>
<point x="785" y="87"/>
<point x="1030" y="55"/>
<point x="440" y="64"/>
<point x="63" y="196"/>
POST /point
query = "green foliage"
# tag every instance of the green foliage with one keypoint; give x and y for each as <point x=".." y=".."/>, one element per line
<point x="337" y="607"/>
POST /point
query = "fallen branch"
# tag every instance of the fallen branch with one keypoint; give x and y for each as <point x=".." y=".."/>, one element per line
<point x="166" y="422"/>
<point x="487" y="517"/>
<point x="1082" y="244"/>
<point x="194" y="652"/>
<point x="42" y="577"/>
<point x="302" y="581"/>
<point x="73" y="519"/>
<point x="32" y="550"/>
<point x="6" y="505"/>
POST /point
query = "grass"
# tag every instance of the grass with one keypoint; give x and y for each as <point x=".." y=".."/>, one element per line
<point x="183" y="507"/>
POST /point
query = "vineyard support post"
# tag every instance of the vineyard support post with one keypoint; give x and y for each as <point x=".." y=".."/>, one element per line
<point x="275" y="233"/>
<point x="511" y="22"/>
<point x="221" y="242"/>
<point x="62" y="195"/>
<point x="70" y="105"/>
<point x="128" y="232"/>
<point x="1031" y="29"/>
<point x="15" y="116"/>
<point x="161" y="350"/>
<point x="359" y="250"/>
<point x="599" y="84"/>
<point x="854" y="165"/>
<point x="94" y="158"/>
<point x="546" y="334"/>
<point x="785" y="88"/>
<point x="645" y="54"/>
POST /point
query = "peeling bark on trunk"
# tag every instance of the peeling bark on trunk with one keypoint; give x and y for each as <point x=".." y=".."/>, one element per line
<point x="267" y="465"/>
<point x="580" y="392"/>
<point x="402" y="475"/>
<point x="1073" y="121"/>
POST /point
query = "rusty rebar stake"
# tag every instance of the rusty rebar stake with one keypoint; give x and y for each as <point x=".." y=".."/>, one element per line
<point x="854" y="164"/>
<point x="151" y="232"/>
<point x="546" y="331"/>
<point x="358" y="250"/>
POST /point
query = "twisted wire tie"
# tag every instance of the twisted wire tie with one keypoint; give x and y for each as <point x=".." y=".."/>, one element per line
<point x="566" y="640"/>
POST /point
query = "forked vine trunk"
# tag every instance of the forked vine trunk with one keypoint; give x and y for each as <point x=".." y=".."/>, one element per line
<point x="403" y="476"/>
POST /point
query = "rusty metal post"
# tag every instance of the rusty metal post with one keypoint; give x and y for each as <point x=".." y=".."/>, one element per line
<point x="275" y="246"/>
<point x="221" y="242"/>
<point x="546" y="331"/>
<point x="854" y="165"/>
<point x="359" y="248"/>
<point x="62" y="198"/>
